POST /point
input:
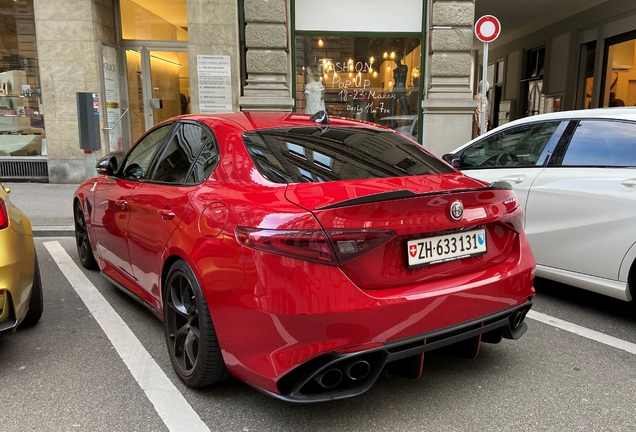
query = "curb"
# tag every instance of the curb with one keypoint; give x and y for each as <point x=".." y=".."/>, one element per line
<point x="53" y="231"/>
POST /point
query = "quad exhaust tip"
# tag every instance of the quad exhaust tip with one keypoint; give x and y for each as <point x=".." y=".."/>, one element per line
<point x="329" y="378"/>
<point x="517" y="318"/>
<point x="357" y="370"/>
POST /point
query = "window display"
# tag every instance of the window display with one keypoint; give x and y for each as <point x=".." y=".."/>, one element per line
<point x="21" y="117"/>
<point x="368" y="78"/>
<point x="154" y="20"/>
<point x="620" y="78"/>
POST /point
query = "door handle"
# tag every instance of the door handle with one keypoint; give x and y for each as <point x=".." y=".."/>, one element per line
<point x="166" y="214"/>
<point x="629" y="182"/>
<point x="519" y="178"/>
<point x="122" y="203"/>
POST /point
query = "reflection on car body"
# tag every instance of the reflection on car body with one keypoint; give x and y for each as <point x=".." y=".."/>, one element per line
<point x="405" y="124"/>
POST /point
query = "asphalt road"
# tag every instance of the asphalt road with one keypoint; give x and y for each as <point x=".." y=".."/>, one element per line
<point x="65" y="375"/>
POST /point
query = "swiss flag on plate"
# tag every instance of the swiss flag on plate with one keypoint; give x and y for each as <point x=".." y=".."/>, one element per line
<point x="413" y="250"/>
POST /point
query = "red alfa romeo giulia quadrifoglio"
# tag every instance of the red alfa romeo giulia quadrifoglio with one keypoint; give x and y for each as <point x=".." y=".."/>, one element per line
<point x="305" y="255"/>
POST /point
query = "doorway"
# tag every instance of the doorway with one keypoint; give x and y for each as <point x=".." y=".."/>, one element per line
<point x="158" y="87"/>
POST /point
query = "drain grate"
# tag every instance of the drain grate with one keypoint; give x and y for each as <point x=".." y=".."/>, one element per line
<point x="27" y="168"/>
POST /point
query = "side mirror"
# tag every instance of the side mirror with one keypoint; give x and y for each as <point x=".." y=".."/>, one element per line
<point x="107" y="165"/>
<point x="453" y="159"/>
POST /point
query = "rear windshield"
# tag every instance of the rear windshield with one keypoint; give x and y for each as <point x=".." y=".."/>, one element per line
<point x="320" y="154"/>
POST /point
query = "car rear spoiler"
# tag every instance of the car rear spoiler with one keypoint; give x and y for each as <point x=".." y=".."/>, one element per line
<point x="405" y="193"/>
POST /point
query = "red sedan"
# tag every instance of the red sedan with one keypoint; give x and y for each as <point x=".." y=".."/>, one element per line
<point x="305" y="255"/>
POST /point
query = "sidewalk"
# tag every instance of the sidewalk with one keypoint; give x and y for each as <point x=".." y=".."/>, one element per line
<point x="48" y="206"/>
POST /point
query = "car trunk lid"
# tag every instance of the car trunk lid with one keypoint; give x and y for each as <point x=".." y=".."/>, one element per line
<point x="418" y="210"/>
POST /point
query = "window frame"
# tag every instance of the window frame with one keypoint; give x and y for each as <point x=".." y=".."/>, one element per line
<point x="160" y="148"/>
<point x="215" y="142"/>
<point x="546" y="155"/>
<point x="178" y="125"/>
<point x="320" y="142"/>
<point x="565" y="145"/>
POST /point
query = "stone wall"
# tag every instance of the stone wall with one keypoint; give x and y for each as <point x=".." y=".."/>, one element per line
<point x="68" y="32"/>
<point x="213" y="30"/>
<point x="267" y="59"/>
<point x="448" y="106"/>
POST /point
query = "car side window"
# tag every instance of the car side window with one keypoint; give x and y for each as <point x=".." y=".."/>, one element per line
<point x="205" y="163"/>
<point x="137" y="162"/>
<point x="173" y="166"/>
<point x="602" y="143"/>
<point x="522" y="146"/>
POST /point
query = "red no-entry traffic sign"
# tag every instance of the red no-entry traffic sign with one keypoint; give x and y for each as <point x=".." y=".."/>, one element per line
<point x="487" y="28"/>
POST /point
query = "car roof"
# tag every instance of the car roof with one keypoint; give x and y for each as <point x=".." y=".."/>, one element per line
<point x="251" y="121"/>
<point x="622" y="113"/>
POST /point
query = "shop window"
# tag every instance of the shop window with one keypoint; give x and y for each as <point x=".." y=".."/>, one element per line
<point x="367" y="78"/>
<point x="495" y="94"/>
<point x="165" y="20"/>
<point x="588" y="58"/>
<point x="21" y="109"/>
<point x="533" y="82"/>
<point x="620" y="72"/>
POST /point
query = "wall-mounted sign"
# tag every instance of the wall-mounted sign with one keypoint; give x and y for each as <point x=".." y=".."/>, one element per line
<point x="215" y="83"/>
<point x="111" y="87"/>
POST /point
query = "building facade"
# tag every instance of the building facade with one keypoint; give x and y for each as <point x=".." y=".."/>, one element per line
<point x="411" y="65"/>
<point x="582" y="56"/>
<point x="148" y="60"/>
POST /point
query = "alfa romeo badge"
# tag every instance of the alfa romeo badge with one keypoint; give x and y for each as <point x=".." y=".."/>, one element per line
<point x="456" y="210"/>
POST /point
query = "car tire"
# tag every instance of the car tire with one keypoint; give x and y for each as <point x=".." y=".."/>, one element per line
<point x="192" y="343"/>
<point x="84" y="249"/>
<point x="36" y="303"/>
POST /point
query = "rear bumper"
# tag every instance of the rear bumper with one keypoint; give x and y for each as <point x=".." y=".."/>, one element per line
<point x="302" y="384"/>
<point x="17" y="264"/>
<point x="294" y="318"/>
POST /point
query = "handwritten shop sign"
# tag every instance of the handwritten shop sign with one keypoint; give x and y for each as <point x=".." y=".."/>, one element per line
<point x="355" y="90"/>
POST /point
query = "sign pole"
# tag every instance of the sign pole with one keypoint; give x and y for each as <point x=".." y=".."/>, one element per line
<point x="484" y="85"/>
<point x="487" y="29"/>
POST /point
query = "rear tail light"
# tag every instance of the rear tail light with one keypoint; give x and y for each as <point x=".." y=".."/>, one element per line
<point x="313" y="245"/>
<point x="350" y="244"/>
<point x="514" y="218"/>
<point x="4" y="217"/>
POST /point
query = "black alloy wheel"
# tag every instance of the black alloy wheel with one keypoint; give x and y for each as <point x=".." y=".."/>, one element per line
<point x="192" y="343"/>
<point x="84" y="249"/>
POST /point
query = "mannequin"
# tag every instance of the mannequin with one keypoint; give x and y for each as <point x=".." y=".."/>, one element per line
<point x="314" y="91"/>
<point x="399" y="88"/>
<point x="477" y="114"/>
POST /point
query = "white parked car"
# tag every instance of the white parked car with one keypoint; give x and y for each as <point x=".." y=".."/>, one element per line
<point x="574" y="172"/>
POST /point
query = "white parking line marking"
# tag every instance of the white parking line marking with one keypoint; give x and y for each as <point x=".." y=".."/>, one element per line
<point x="583" y="331"/>
<point x="174" y="410"/>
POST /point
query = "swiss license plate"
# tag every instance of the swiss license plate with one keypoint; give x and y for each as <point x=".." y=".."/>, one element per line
<point x="433" y="250"/>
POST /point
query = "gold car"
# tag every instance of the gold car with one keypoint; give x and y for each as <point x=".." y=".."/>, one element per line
<point x="21" y="300"/>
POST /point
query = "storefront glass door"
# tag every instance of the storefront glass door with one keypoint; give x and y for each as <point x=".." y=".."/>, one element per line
<point x="158" y="87"/>
<point x="619" y="88"/>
